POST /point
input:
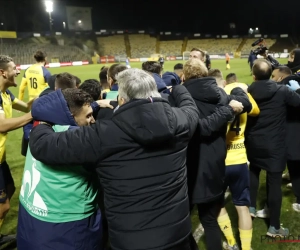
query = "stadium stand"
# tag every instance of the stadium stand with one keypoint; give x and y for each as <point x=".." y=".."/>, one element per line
<point x="66" y="48"/>
<point x="281" y="44"/>
<point x="248" y="45"/>
<point x="170" y="48"/>
<point x="22" y="53"/>
<point x="142" y="45"/>
<point x="112" y="46"/>
<point x="215" y="46"/>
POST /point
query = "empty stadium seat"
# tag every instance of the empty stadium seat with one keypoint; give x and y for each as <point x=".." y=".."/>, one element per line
<point x="112" y="46"/>
<point x="142" y="45"/>
<point x="215" y="46"/>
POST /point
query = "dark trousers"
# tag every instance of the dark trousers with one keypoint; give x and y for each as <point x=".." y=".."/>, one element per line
<point x="105" y="235"/>
<point x="34" y="234"/>
<point x="185" y="245"/>
<point x="251" y="66"/>
<point x="274" y="194"/>
<point x="294" y="170"/>
<point x="208" y="214"/>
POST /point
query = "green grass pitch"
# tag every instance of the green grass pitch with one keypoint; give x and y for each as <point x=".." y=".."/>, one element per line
<point x="289" y="218"/>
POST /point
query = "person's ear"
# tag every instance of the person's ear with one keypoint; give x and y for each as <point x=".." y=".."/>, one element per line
<point x="224" y="83"/>
<point x="73" y="117"/>
<point x="121" y="101"/>
<point x="2" y="73"/>
<point x="110" y="80"/>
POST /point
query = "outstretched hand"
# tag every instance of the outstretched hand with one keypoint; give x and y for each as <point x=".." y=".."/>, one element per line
<point x="105" y="104"/>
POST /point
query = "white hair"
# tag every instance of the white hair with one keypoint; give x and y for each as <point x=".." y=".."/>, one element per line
<point x="136" y="84"/>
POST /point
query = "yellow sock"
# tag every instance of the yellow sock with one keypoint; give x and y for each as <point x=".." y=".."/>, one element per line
<point x="225" y="225"/>
<point x="246" y="237"/>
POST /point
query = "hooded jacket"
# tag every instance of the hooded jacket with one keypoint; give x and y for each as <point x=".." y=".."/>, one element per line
<point x="75" y="183"/>
<point x="206" y="153"/>
<point x="140" y="155"/>
<point x="161" y="85"/>
<point x="293" y="126"/>
<point x="295" y="65"/>
<point x="171" y="79"/>
<point x="266" y="133"/>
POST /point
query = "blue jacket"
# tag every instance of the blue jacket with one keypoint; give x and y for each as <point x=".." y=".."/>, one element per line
<point x="161" y="85"/>
<point x="252" y="57"/>
<point x="27" y="128"/>
<point x="53" y="108"/>
<point x="171" y="79"/>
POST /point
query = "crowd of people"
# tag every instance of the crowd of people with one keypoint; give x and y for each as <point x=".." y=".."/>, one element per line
<point x="121" y="162"/>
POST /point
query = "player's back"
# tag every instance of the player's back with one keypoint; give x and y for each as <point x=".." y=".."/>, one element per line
<point x="37" y="78"/>
<point x="236" y="152"/>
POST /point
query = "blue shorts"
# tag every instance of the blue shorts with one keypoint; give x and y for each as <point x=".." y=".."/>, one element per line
<point x="5" y="180"/>
<point x="34" y="234"/>
<point x="237" y="179"/>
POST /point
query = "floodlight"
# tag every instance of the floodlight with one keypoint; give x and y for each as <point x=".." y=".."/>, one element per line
<point x="49" y="6"/>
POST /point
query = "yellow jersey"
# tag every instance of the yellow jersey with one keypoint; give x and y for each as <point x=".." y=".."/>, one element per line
<point x="6" y="101"/>
<point x="235" y="138"/>
<point x="36" y="79"/>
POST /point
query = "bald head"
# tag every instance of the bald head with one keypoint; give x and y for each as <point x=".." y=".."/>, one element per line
<point x="262" y="69"/>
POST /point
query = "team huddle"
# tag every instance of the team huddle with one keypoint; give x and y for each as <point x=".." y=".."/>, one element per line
<point x="120" y="163"/>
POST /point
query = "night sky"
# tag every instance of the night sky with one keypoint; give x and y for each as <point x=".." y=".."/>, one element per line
<point x="161" y="15"/>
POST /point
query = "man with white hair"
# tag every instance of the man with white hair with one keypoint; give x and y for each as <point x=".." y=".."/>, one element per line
<point x="139" y="155"/>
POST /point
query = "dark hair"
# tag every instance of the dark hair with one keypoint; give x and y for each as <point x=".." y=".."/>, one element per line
<point x="65" y="81"/>
<point x="40" y="56"/>
<point x="262" y="69"/>
<point x="178" y="66"/>
<point x="284" y="69"/>
<point x="92" y="87"/>
<point x="215" y="73"/>
<point x="199" y="50"/>
<point x="78" y="81"/>
<point x="152" y="66"/>
<point x="115" y="69"/>
<point x="4" y="60"/>
<point x="76" y="99"/>
<point x="103" y="75"/>
<point x="231" y="77"/>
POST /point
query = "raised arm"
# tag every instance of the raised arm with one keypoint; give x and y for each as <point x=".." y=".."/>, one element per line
<point x="22" y="106"/>
<point x="185" y="104"/>
<point x="292" y="98"/>
<point x="72" y="147"/>
<point x="240" y="95"/>
<point x="9" y="124"/>
<point x="215" y="121"/>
